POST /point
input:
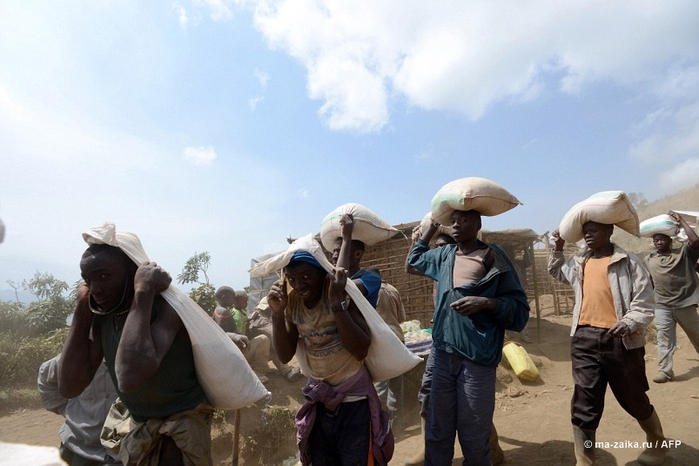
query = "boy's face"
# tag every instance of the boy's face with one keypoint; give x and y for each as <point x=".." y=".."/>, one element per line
<point x="107" y="275"/>
<point x="465" y="225"/>
<point x="597" y="235"/>
<point x="226" y="298"/>
<point x="662" y="242"/>
<point x="307" y="281"/>
<point x="241" y="302"/>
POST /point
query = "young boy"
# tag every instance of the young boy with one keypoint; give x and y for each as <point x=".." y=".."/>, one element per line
<point x="613" y="305"/>
<point x="676" y="294"/>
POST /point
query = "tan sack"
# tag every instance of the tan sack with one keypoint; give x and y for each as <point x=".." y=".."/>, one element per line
<point x="224" y="374"/>
<point x="607" y="207"/>
<point x="369" y="228"/>
<point x="483" y="195"/>
<point x="662" y="224"/>
<point x="388" y="357"/>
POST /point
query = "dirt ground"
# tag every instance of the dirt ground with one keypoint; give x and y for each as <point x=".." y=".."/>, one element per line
<point x="532" y="418"/>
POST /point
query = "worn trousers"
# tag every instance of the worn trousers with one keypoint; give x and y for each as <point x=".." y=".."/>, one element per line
<point x="599" y="360"/>
<point x="391" y="395"/>
<point x="666" y="320"/>
<point x="462" y="401"/>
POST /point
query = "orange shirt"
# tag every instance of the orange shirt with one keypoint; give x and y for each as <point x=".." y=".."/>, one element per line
<point x="597" y="309"/>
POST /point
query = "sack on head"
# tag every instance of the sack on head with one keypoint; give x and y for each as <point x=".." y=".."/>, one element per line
<point x="660" y="224"/>
<point x="483" y="195"/>
<point x="369" y="228"/>
<point x="607" y="207"/>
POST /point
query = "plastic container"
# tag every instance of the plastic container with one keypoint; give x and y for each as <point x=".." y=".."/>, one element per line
<point x="520" y="361"/>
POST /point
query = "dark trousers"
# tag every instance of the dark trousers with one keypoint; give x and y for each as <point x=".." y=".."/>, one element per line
<point x="598" y="360"/>
<point x="341" y="439"/>
<point x="73" y="459"/>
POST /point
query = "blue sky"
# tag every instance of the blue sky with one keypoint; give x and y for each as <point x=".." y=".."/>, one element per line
<point x="229" y="125"/>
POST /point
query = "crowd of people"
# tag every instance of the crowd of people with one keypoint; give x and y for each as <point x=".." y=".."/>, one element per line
<point x="127" y="366"/>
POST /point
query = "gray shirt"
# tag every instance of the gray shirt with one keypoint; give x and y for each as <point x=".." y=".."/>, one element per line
<point x="674" y="277"/>
<point x="84" y="415"/>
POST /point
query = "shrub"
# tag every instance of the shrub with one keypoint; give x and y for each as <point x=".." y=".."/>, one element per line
<point x="21" y="356"/>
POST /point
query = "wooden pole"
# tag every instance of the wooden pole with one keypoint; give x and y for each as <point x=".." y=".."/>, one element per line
<point x="236" y="436"/>
<point x="532" y="259"/>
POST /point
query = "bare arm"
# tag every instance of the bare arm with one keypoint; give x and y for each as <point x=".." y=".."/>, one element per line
<point x="691" y="234"/>
<point x="143" y="344"/>
<point x="351" y="324"/>
<point x="82" y="352"/>
<point x="285" y="335"/>
<point x="346" y="229"/>
<point x="409" y="268"/>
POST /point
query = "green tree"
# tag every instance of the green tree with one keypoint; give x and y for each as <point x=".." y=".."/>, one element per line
<point x="205" y="293"/>
<point x="52" y="308"/>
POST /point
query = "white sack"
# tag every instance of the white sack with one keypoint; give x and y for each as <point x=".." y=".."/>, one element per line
<point x="480" y="194"/>
<point x="227" y="379"/>
<point x="689" y="215"/>
<point x="369" y="228"/>
<point x="661" y="224"/>
<point x="388" y="357"/>
<point x="608" y="207"/>
<point x="19" y="454"/>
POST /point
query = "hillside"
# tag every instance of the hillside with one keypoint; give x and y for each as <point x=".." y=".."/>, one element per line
<point x="687" y="199"/>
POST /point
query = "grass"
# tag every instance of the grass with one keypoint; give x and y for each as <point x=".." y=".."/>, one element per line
<point x="14" y="399"/>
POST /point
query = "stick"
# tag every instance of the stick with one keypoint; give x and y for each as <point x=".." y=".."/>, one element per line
<point x="236" y="436"/>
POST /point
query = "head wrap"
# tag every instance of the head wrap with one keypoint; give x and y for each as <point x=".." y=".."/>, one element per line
<point x="307" y="257"/>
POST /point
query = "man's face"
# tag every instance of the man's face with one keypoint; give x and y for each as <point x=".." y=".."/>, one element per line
<point x="106" y="275"/>
<point x="308" y="282"/>
<point x="597" y="235"/>
<point x="336" y="250"/>
<point x="466" y="225"/>
<point x="662" y="242"/>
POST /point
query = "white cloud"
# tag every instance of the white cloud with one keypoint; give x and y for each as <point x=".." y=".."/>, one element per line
<point x="182" y="17"/>
<point x="464" y="56"/>
<point x="218" y="10"/>
<point x="262" y="78"/>
<point x="669" y="133"/>
<point x="304" y="193"/>
<point x="200" y="156"/>
<point x="683" y="175"/>
<point x="254" y="102"/>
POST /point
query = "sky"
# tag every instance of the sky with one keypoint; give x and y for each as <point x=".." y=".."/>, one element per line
<point x="227" y="126"/>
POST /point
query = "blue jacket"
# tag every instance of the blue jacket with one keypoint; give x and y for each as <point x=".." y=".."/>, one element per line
<point x="478" y="338"/>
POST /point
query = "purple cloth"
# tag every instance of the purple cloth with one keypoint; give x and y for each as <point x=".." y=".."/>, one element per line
<point x="331" y="396"/>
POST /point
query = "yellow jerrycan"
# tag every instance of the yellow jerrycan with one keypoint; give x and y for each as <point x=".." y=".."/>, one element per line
<point x="520" y="361"/>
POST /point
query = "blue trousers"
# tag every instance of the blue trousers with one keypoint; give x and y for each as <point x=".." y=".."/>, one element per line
<point x="462" y="401"/>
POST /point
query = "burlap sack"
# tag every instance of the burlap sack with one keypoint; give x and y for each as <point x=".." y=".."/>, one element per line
<point x="660" y="224"/>
<point x="483" y="195"/>
<point x="608" y="207"/>
<point x="369" y="228"/>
